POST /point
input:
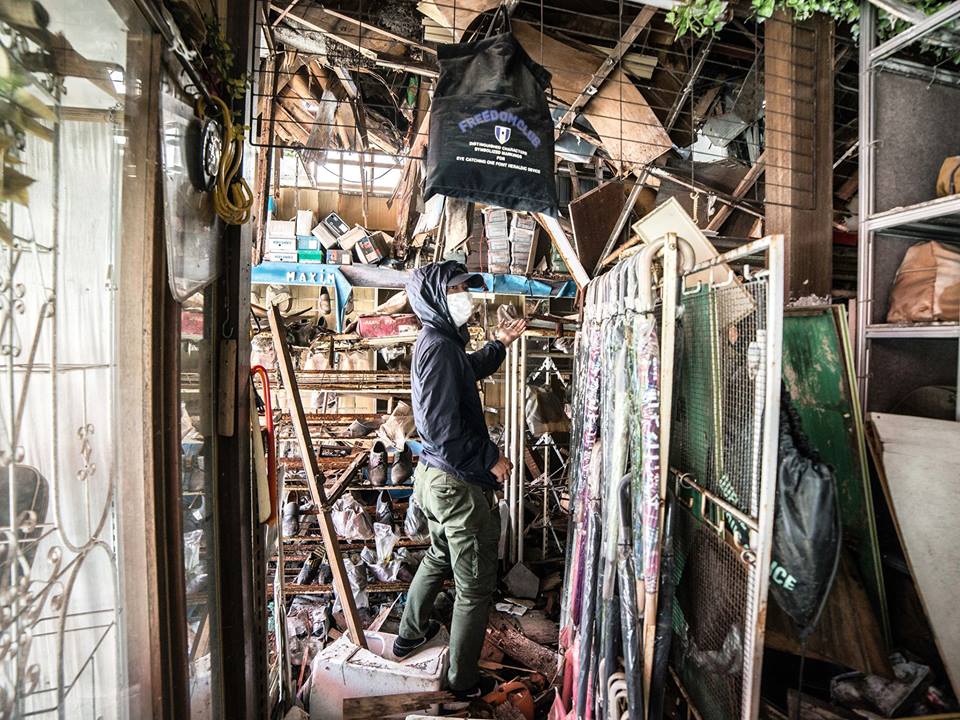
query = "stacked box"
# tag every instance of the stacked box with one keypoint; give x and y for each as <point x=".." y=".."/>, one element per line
<point x="324" y="235"/>
<point x="287" y="257"/>
<point x="335" y="224"/>
<point x="523" y="243"/>
<point x="352" y="237"/>
<point x="281" y="245"/>
<point x="310" y="256"/>
<point x="339" y="257"/>
<point x="307" y="242"/>
<point x="304" y="222"/>
<point x="372" y="248"/>
<point x="497" y="229"/>
<point x="281" y="229"/>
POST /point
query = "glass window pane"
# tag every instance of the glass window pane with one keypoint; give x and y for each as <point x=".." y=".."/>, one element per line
<point x="61" y="566"/>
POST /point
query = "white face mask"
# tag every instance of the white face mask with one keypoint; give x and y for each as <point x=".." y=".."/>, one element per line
<point x="460" y="306"/>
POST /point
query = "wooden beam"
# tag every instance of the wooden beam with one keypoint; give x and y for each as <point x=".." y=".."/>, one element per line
<point x="348" y="42"/>
<point x="380" y="31"/>
<point x="743" y="187"/>
<point x="566" y="250"/>
<point x="314" y="477"/>
<point x="798" y="68"/>
<point x="600" y="76"/>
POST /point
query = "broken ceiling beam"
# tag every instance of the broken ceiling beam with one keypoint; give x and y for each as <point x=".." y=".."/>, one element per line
<point x="458" y="15"/>
<point x="749" y="180"/>
<point x="351" y="43"/>
<point x="629" y="130"/>
<point x="567" y="252"/>
<point x="688" y="84"/>
<point x="606" y="67"/>
<point x="379" y="31"/>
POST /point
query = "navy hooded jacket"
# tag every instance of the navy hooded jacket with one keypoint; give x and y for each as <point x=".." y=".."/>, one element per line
<point x="446" y="402"/>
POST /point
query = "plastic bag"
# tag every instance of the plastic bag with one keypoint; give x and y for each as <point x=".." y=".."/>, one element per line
<point x="357" y="577"/>
<point x="806" y="526"/>
<point x="415" y="524"/>
<point x="385" y="509"/>
<point x="386" y="540"/>
<point x="350" y="520"/>
<point x="382" y="571"/>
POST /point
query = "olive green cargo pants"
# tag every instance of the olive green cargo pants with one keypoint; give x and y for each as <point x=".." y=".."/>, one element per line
<point x="464" y="533"/>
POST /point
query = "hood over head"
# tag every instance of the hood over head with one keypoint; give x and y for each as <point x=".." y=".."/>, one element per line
<point x="427" y="292"/>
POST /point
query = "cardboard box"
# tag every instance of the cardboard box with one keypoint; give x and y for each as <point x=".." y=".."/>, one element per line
<point x="352" y="237"/>
<point x="285" y="257"/>
<point x="324" y="235"/>
<point x="335" y="224"/>
<point x="281" y="229"/>
<point x="339" y="257"/>
<point x="523" y="221"/>
<point x="304" y="222"/>
<point x="307" y="242"/>
<point x="275" y="245"/>
<point x="310" y="256"/>
<point x="372" y="249"/>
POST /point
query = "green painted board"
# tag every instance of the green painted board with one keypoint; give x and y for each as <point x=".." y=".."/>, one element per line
<point x="818" y="371"/>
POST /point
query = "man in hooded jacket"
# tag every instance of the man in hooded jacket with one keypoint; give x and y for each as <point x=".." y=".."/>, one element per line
<point x="459" y="470"/>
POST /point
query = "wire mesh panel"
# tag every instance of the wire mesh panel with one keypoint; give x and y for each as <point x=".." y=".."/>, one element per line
<point x="723" y="463"/>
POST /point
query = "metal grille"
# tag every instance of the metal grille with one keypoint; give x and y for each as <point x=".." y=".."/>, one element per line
<point x="710" y="615"/>
<point x="723" y="333"/>
<point x="723" y="462"/>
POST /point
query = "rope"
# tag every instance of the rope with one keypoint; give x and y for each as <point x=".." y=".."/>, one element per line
<point x="232" y="199"/>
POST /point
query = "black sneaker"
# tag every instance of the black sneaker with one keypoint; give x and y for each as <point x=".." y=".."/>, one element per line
<point x="403" y="647"/>
<point x="484" y="686"/>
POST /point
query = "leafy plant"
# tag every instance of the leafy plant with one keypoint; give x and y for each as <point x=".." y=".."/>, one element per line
<point x="225" y="78"/>
<point x="700" y="17"/>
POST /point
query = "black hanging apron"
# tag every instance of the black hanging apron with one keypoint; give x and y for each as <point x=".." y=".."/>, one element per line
<point x="491" y="134"/>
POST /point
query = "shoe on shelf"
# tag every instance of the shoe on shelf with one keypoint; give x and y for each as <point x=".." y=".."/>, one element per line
<point x="290" y="524"/>
<point x="323" y="306"/>
<point x="360" y="429"/>
<point x="402" y="469"/>
<point x="377" y="472"/>
<point x="310" y="570"/>
<point x="403" y="647"/>
<point x="484" y="686"/>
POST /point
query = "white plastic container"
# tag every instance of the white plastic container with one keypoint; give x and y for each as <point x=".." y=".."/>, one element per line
<point x="342" y="670"/>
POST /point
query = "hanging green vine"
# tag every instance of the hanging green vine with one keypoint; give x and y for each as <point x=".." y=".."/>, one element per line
<point x="702" y="17"/>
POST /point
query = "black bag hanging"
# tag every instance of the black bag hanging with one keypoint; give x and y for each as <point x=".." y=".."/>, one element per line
<point x="806" y="532"/>
<point x="491" y="134"/>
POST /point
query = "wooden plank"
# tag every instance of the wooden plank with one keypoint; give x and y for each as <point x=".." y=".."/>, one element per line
<point x="384" y="706"/>
<point x="317" y="493"/>
<point x="818" y="372"/>
<point x="593" y="216"/>
<point x="503" y="635"/>
<point x="562" y="243"/>
<point x="798" y="77"/>
<point x="628" y="128"/>
<point x="606" y="67"/>
<point x="920" y="474"/>
<point x="347" y="476"/>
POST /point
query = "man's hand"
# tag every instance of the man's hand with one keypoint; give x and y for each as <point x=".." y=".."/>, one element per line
<point x="501" y="469"/>
<point x="507" y="332"/>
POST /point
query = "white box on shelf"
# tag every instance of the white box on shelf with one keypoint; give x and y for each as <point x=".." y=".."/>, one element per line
<point x="281" y="244"/>
<point x="304" y="222"/>
<point x="281" y="229"/>
<point x="285" y="257"/>
<point x="352" y="237"/>
<point x="322" y="233"/>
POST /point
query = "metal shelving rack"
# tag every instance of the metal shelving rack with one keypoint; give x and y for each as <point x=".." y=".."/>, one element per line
<point x="897" y="206"/>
